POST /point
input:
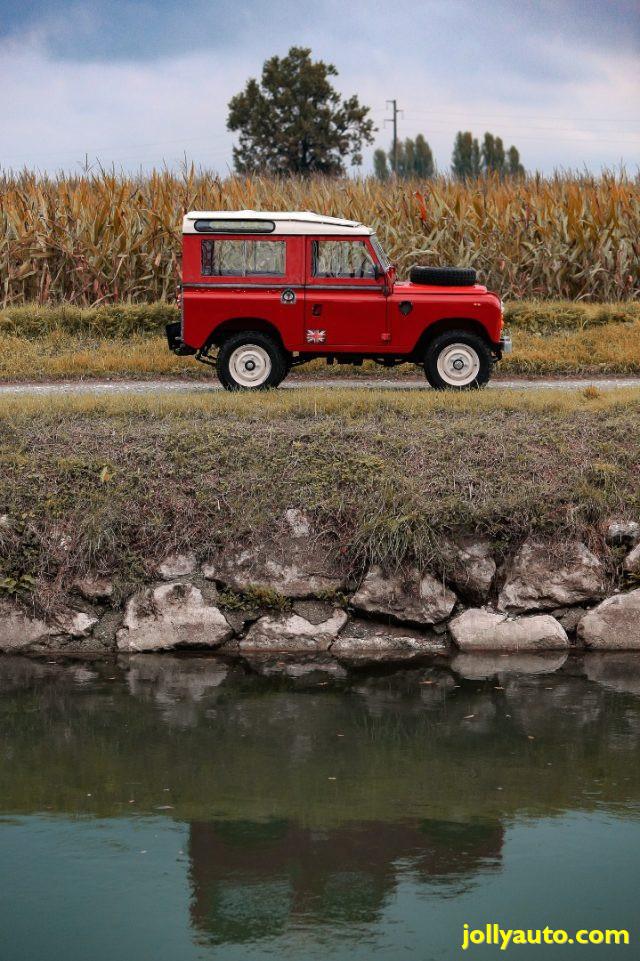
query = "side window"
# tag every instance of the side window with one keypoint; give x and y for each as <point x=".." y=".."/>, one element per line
<point x="243" y="258"/>
<point x="342" y="259"/>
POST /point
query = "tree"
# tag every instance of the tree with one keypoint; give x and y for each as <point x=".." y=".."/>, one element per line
<point x="493" y="158"/>
<point x="380" y="168"/>
<point x="470" y="160"/>
<point x="414" y="159"/>
<point x="465" y="160"/>
<point x="294" y="122"/>
<point x="515" y="168"/>
<point x="423" y="163"/>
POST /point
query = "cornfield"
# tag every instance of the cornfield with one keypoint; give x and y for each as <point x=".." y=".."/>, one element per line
<point x="106" y="238"/>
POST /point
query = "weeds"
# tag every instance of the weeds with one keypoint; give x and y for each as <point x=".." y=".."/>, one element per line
<point x="388" y="474"/>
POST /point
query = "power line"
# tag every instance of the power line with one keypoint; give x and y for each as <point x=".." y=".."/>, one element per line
<point x="524" y="117"/>
<point x="520" y="116"/>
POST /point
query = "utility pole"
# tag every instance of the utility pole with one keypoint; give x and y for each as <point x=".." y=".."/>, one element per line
<point x="394" y="120"/>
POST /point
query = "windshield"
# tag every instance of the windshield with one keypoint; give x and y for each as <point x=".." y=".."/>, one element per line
<point x="380" y="254"/>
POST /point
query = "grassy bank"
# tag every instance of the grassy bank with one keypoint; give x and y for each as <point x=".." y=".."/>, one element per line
<point x="107" y="238"/>
<point x="41" y="343"/>
<point x="112" y="485"/>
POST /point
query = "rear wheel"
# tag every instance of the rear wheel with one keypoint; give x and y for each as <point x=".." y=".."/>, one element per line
<point x="458" y="360"/>
<point x="251" y="360"/>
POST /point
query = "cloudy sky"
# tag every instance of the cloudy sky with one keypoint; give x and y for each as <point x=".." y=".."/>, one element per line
<point x="136" y="83"/>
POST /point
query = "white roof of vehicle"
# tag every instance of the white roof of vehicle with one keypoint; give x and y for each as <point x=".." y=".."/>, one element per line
<point x="285" y="221"/>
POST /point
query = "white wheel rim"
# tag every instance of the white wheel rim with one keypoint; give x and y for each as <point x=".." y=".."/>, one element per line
<point x="458" y="365"/>
<point x="250" y="365"/>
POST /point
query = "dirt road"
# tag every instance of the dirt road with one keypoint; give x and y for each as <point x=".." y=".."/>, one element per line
<point x="184" y="386"/>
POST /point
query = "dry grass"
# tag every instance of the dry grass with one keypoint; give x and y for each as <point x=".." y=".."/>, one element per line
<point x="602" y="350"/>
<point x="67" y="342"/>
<point x="342" y="404"/>
<point x="105" y="239"/>
<point x="59" y="356"/>
<point x="612" y="349"/>
<point x="113" y="484"/>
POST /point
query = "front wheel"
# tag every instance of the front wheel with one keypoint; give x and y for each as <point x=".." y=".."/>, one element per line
<point x="458" y="360"/>
<point x="251" y="361"/>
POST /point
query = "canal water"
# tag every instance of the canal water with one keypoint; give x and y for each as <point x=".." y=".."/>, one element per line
<point x="171" y="809"/>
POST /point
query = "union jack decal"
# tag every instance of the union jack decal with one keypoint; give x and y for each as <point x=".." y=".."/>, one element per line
<point x="316" y="336"/>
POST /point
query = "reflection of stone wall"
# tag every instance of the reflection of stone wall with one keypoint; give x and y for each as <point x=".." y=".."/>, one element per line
<point x="252" y="879"/>
<point x="188" y="736"/>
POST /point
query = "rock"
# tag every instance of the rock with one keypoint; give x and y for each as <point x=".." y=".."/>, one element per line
<point x="364" y="642"/>
<point x="408" y="597"/>
<point x="623" y="533"/>
<point x="541" y="577"/>
<point x="614" y="624"/>
<point x="169" y="616"/>
<point x="21" y="632"/>
<point x="103" y="636"/>
<point x="75" y="623"/>
<point x="296" y="564"/>
<point x="472" y="567"/>
<point x="631" y="563"/>
<point x="476" y="667"/>
<point x="292" y="633"/>
<point x="94" y="588"/>
<point x="569" y="617"/>
<point x="481" y="630"/>
<point x="298" y="522"/>
<point x="209" y="571"/>
<point x="177" y="565"/>
<point x="317" y="612"/>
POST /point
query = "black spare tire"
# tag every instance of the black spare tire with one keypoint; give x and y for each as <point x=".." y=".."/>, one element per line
<point x="443" y="276"/>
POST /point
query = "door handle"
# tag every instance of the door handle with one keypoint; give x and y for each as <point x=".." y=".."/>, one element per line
<point x="316" y="310"/>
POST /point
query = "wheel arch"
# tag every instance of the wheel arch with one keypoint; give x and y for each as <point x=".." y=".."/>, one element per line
<point x="235" y="325"/>
<point x="450" y="323"/>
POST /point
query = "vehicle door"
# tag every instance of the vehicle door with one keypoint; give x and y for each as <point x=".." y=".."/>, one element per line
<point x="345" y="303"/>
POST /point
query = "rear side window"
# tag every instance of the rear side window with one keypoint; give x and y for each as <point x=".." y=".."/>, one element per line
<point x="342" y="259"/>
<point x="243" y="258"/>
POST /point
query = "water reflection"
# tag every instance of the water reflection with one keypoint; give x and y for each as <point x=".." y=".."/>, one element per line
<point x="318" y="809"/>
<point x="252" y="879"/>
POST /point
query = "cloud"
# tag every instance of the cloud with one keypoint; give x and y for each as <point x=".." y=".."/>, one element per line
<point x="152" y="29"/>
<point x="138" y="83"/>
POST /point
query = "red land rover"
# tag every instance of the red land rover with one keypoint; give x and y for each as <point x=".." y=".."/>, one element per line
<point x="264" y="292"/>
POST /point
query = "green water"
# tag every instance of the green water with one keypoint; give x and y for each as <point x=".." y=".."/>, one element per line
<point x="173" y="809"/>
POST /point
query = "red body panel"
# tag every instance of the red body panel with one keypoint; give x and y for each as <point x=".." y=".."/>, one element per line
<point x="326" y="316"/>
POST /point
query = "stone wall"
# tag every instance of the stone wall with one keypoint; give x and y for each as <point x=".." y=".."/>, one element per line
<point x="292" y="599"/>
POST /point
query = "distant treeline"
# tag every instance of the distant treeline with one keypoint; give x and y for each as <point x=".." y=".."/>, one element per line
<point x="414" y="158"/>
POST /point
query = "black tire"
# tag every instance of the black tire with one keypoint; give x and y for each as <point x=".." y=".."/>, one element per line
<point x="267" y="356"/>
<point x="443" y="276"/>
<point x="474" y="355"/>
